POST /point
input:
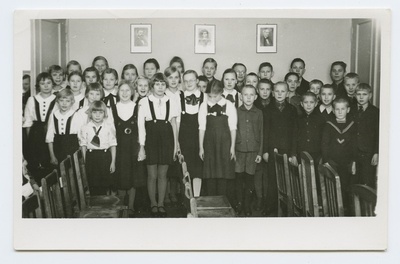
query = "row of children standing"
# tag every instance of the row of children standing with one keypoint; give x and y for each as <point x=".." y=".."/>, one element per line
<point x="226" y="130"/>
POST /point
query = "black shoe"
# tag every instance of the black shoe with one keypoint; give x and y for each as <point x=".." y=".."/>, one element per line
<point x="154" y="211"/>
<point x="161" y="211"/>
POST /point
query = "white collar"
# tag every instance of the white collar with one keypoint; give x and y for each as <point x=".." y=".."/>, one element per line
<point x="233" y="92"/>
<point x="39" y="98"/>
<point x="196" y="92"/>
<point x="329" y="109"/>
<point x="58" y="114"/>
<point x="107" y="93"/>
<point x="154" y="99"/>
<point x="221" y="102"/>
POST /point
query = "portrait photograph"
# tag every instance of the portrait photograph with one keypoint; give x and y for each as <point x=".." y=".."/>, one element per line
<point x="140" y="38"/>
<point x="266" y="38"/>
<point x="204" y="39"/>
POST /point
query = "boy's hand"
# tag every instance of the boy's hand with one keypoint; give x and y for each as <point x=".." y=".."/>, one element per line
<point x="293" y="160"/>
<point x="375" y="159"/>
<point x="353" y="168"/>
<point x="53" y="160"/>
<point x="112" y="167"/>
<point x="266" y="156"/>
<point x="201" y="153"/>
<point x="233" y="154"/>
<point x="258" y="159"/>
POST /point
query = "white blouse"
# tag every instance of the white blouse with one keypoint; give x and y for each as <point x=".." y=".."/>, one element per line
<point x="30" y="111"/>
<point x="106" y="135"/>
<point x="233" y="92"/>
<point x="62" y="119"/>
<point x="125" y="110"/>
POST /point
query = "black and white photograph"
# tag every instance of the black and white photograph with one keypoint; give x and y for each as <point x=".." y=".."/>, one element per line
<point x="266" y="38"/>
<point x="137" y="129"/>
<point x="204" y="39"/>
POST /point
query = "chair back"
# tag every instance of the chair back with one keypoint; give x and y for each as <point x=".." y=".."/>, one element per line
<point x="53" y="203"/>
<point x="283" y="183"/>
<point x="364" y="200"/>
<point x="330" y="191"/>
<point x="297" y="190"/>
<point x="81" y="179"/>
<point x="308" y="178"/>
<point x="69" y="187"/>
<point x="31" y="207"/>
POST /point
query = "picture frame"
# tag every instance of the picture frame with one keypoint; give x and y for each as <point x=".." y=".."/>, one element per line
<point x="141" y="37"/>
<point x="266" y="38"/>
<point x="204" y="39"/>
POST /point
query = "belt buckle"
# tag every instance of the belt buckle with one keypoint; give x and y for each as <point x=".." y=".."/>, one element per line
<point x="128" y="131"/>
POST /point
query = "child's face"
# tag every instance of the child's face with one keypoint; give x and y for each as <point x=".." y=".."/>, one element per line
<point x="65" y="104"/>
<point x="209" y="70"/>
<point x="308" y="103"/>
<point x="46" y="86"/>
<point x="178" y="66"/>
<point x="26" y="85"/>
<point x="73" y="68"/>
<point x="292" y="82"/>
<point x="190" y="82"/>
<point x="98" y="116"/>
<point x="173" y="80"/>
<point x="100" y="65"/>
<point x="159" y="88"/>
<point x="280" y="92"/>
<point x="130" y="75"/>
<point x="315" y="88"/>
<point x="266" y="73"/>
<point x="363" y="97"/>
<point x="341" y="110"/>
<point x="264" y="90"/>
<point x="93" y="96"/>
<point x="202" y="86"/>
<point x="75" y="82"/>
<point x="252" y="80"/>
<point x="214" y="98"/>
<point x="149" y="70"/>
<point x="143" y="87"/>
<point x="337" y="73"/>
<point x="57" y="77"/>
<point x="327" y="96"/>
<point x="248" y="96"/>
<point x="109" y="81"/>
<point x="241" y="72"/>
<point x="90" y="77"/>
<point x="350" y="84"/>
<point x="229" y="81"/>
<point x="124" y="93"/>
<point x="298" y="67"/>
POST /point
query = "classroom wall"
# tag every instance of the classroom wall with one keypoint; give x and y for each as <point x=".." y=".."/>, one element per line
<point x="318" y="41"/>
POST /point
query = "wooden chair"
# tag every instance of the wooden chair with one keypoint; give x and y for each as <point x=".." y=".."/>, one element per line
<point x="331" y="191"/>
<point x="285" y="201"/>
<point x="308" y="178"/>
<point x="364" y="200"/>
<point x="297" y="190"/>
<point x="53" y="203"/>
<point x="108" y="203"/>
<point x="31" y="207"/>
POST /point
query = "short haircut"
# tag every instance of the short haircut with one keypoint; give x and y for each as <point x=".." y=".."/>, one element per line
<point x="210" y="60"/>
<point x="308" y="94"/>
<point x="158" y="77"/>
<point x="94" y="87"/>
<point x="239" y="64"/>
<point x="153" y="61"/>
<point x="281" y="83"/>
<point x="316" y="81"/>
<point x="265" y="81"/>
<point x="364" y="87"/>
<point x="91" y="69"/>
<point x="327" y="86"/>
<point x="195" y="74"/>
<point x="229" y="70"/>
<point x="97" y="106"/>
<point x="297" y="60"/>
<point x="352" y="75"/>
<point x="77" y="73"/>
<point x="128" y="67"/>
<point x="55" y="68"/>
<point x="291" y="74"/>
<point x="265" y="64"/>
<point x="248" y="86"/>
<point x="110" y="71"/>
<point x="130" y="84"/>
<point x="139" y="78"/>
<point x="100" y="58"/>
<point x="216" y="87"/>
<point x="41" y="77"/>
<point x="75" y="63"/>
<point x="340" y="63"/>
<point x="202" y="78"/>
<point x="170" y="70"/>
<point x="65" y="93"/>
<point x="253" y="74"/>
<point x="340" y="100"/>
<point x="178" y="60"/>
<point x="26" y="76"/>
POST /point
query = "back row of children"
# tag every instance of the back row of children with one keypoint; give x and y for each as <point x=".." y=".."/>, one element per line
<point x="131" y="130"/>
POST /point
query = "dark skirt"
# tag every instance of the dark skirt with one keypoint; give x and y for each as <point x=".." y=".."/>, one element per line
<point x="98" y="168"/>
<point x="65" y="145"/>
<point x="159" y="142"/>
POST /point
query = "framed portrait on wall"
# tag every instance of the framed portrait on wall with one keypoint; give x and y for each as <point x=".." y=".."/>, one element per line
<point x="140" y="38"/>
<point x="266" y="38"/>
<point x="204" y="39"/>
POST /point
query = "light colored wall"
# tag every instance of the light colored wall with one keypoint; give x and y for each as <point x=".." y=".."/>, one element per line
<point x="318" y="41"/>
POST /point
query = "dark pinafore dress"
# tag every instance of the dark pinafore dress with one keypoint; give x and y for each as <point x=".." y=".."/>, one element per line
<point x="109" y="101"/>
<point x="38" y="150"/>
<point x="217" y="144"/>
<point x="159" y="144"/>
<point x="188" y="139"/>
<point x="81" y="103"/>
<point x="64" y="144"/>
<point x="127" y="151"/>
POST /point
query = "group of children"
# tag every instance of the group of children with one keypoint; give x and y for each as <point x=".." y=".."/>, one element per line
<point x="131" y="129"/>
